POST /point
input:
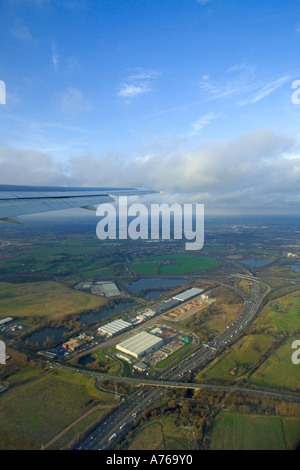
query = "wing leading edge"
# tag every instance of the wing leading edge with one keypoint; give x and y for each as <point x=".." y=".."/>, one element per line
<point x="23" y="200"/>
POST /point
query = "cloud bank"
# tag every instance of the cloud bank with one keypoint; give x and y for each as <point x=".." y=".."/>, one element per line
<point x="257" y="173"/>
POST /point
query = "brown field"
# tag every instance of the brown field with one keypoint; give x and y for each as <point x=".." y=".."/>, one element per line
<point x="214" y="318"/>
<point x="44" y="299"/>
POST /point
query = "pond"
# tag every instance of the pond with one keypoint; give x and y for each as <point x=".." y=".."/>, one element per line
<point x="85" y="360"/>
<point x="39" y="337"/>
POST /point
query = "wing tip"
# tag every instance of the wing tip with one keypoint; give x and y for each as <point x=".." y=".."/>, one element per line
<point x="12" y="221"/>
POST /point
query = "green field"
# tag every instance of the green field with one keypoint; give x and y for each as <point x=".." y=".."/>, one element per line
<point x="278" y="369"/>
<point x="111" y="366"/>
<point x="162" y="434"/>
<point x="234" y="250"/>
<point x="173" y="264"/>
<point x="147" y="269"/>
<point x="100" y="272"/>
<point x="239" y="360"/>
<point x="44" y="299"/>
<point x="60" y="258"/>
<point x="23" y="375"/>
<point x="33" y="413"/>
<point x="233" y="431"/>
<point x="282" y="314"/>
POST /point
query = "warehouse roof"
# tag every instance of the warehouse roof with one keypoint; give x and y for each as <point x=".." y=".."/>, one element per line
<point x="166" y="305"/>
<point x="110" y="289"/>
<point x="149" y="313"/>
<point x="74" y="343"/>
<point x="6" y="320"/>
<point x="188" y="294"/>
<point x="114" y="327"/>
<point x="139" y="343"/>
<point x="140" y="366"/>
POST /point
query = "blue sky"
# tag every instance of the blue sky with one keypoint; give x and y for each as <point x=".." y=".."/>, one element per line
<point x="191" y="97"/>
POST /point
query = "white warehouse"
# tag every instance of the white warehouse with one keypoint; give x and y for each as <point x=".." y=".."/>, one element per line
<point x="111" y="329"/>
<point x="140" y="344"/>
<point x="188" y="294"/>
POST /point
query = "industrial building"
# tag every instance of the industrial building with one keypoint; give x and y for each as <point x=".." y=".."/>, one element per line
<point x="141" y="317"/>
<point x="140" y="344"/>
<point x="140" y="367"/>
<point x="124" y="357"/>
<point x="149" y="313"/>
<point x="188" y="294"/>
<point x="205" y="297"/>
<point x="48" y="354"/>
<point x="74" y="344"/>
<point x="109" y="289"/>
<point x="115" y="327"/>
<point x="166" y="305"/>
<point x="5" y="321"/>
<point x="157" y="331"/>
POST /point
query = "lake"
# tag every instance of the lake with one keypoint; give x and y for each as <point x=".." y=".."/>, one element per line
<point x="294" y="267"/>
<point x="85" y="360"/>
<point x="153" y="294"/>
<point x="40" y="336"/>
<point x="153" y="283"/>
<point x="107" y="312"/>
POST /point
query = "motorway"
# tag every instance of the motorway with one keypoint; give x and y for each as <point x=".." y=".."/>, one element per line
<point x="107" y="434"/>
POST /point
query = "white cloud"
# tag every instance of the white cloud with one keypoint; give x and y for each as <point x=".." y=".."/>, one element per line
<point x="241" y="85"/>
<point x="226" y="88"/>
<point x="143" y="74"/>
<point x="138" y="83"/>
<point x="203" y="121"/>
<point x="29" y="167"/>
<point x="129" y="90"/>
<point x="265" y="91"/>
<point x="249" y="69"/>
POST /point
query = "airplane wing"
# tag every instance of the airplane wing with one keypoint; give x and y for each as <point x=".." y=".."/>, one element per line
<point x="22" y="200"/>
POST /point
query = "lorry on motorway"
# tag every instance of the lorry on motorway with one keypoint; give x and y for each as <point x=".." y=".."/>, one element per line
<point x="112" y="436"/>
